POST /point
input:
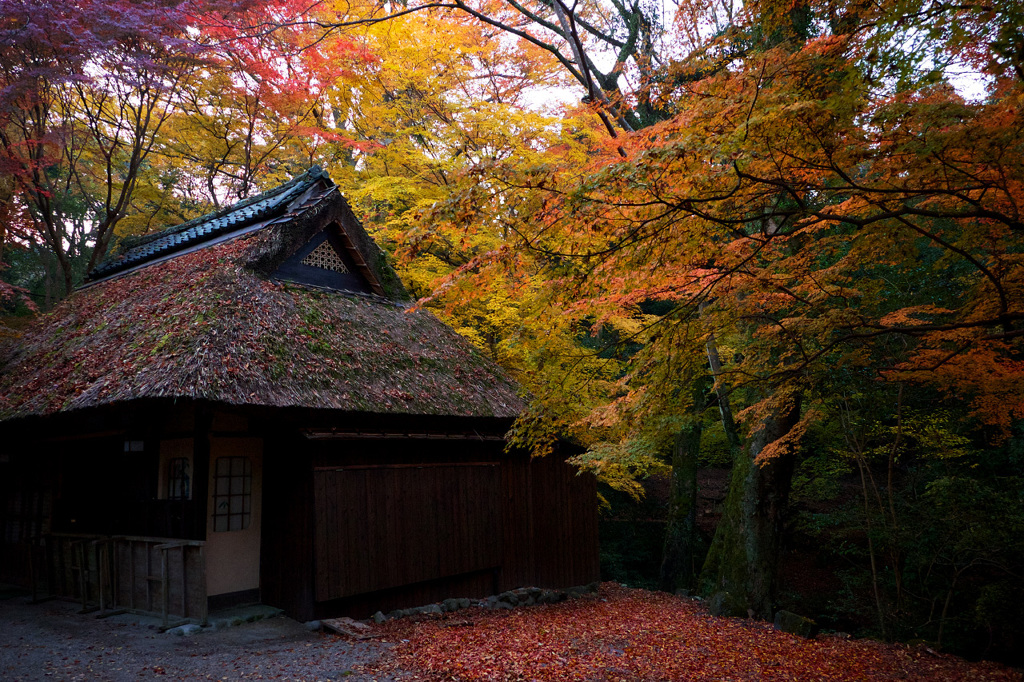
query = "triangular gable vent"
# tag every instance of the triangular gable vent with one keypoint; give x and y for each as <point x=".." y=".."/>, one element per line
<point x="329" y="259"/>
<point x="325" y="258"/>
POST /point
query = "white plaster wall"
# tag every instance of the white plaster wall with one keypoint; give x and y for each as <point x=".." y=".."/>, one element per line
<point x="233" y="557"/>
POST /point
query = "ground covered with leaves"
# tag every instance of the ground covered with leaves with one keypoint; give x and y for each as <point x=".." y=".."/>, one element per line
<point x="617" y="634"/>
<point x="628" y="634"/>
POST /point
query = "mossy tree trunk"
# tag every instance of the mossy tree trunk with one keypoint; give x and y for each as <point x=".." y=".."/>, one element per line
<point x="684" y="548"/>
<point x="744" y="555"/>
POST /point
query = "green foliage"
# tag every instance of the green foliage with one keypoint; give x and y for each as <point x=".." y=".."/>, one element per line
<point x="631" y="552"/>
<point x="632" y="536"/>
<point x="948" y="548"/>
<point x="715" y="449"/>
<point x="819" y="477"/>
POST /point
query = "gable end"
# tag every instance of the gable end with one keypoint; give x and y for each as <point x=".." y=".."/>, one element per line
<point x="330" y="260"/>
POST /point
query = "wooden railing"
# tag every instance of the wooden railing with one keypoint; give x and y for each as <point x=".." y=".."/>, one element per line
<point x="115" y="574"/>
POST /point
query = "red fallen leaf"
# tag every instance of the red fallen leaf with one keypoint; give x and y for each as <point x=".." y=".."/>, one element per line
<point x="638" y="635"/>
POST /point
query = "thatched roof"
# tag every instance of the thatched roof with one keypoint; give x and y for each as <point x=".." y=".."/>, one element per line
<point x="211" y="323"/>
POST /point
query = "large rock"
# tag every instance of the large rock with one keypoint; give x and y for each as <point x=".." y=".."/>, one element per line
<point x="455" y="604"/>
<point x="725" y="604"/>
<point x="550" y="597"/>
<point x="510" y="597"/>
<point x="498" y="602"/>
<point x="787" y="621"/>
<point x="347" y="627"/>
<point x="186" y="629"/>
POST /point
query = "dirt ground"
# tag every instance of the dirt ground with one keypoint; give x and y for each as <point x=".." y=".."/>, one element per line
<point x="51" y="641"/>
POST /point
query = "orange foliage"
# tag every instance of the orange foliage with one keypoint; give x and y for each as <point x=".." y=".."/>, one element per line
<point x="806" y="218"/>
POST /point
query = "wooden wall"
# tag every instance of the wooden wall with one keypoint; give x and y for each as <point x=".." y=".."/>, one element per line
<point x="388" y="525"/>
<point x="564" y="524"/>
<point x="349" y="526"/>
<point x="518" y="561"/>
<point x="353" y="526"/>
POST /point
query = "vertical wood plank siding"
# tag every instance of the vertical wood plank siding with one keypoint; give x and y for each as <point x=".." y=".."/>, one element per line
<point x="518" y="551"/>
<point x="564" y="524"/>
<point x="356" y="526"/>
<point x="383" y="527"/>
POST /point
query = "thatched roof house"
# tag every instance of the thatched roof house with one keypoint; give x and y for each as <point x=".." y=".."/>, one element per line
<point x="254" y="386"/>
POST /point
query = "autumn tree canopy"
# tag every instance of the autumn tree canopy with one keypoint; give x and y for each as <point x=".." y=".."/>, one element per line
<point x="820" y="221"/>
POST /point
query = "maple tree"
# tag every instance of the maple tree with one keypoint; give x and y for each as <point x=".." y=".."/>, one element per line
<point x="733" y="170"/>
<point x="770" y="214"/>
<point x="569" y="35"/>
<point x="120" y="120"/>
<point x="86" y="89"/>
<point x="438" y="98"/>
<point x="262" y="111"/>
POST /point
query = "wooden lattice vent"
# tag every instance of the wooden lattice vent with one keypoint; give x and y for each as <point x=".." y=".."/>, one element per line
<point x="325" y="258"/>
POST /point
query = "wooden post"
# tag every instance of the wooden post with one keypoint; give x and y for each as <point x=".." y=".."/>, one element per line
<point x="101" y="566"/>
<point x="49" y="561"/>
<point x="115" y="575"/>
<point x="165" y="593"/>
<point x="200" y="494"/>
<point x="80" y="546"/>
<point x="201" y="471"/>
<point x="184" y="582"/>
<point x="205" y="603"/>
<point x="131" y="586"/>
<point x="62" y="569"/>
<point x="32" y="570"/>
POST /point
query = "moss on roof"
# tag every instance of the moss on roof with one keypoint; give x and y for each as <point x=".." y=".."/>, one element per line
<point x="204" y="325"/>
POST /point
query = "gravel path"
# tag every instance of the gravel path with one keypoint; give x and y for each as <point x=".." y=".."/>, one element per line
<point x="51" y="641"/>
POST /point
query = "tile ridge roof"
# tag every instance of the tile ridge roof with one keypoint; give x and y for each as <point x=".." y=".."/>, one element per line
<point x="198" y="230"/>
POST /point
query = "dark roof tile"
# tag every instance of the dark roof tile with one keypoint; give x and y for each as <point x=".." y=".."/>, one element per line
<point x="268" y="205"/>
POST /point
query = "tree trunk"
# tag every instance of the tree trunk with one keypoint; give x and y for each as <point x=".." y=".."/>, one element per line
<point x="744" y="553"/>
<point x="684" y="548"/>
<point x="44" y="258"/>
<point x="724" y="410"/>
<point x="68" y="274"/>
